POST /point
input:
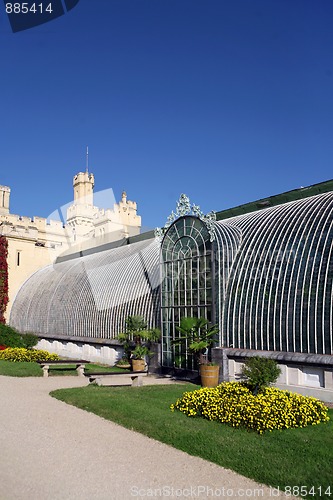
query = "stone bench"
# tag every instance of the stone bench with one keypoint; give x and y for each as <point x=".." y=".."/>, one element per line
<point x="133" y="379"/>
<point x="79" y="365"/>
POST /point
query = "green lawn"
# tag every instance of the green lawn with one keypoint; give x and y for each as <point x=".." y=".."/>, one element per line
<point x="25" y="369"/>
<point x="21" y="369"/>
<point x="293" y="457"/>
<point x="89" y="368"/>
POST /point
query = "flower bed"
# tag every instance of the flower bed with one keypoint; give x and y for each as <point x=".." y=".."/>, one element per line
<point x="20" y="354"/>
<point x="234" y="404"/>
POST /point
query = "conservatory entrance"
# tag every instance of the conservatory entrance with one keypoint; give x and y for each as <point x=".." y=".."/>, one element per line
<point x="187" y="288"/>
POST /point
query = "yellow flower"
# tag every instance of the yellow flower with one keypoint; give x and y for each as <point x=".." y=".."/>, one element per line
<point x="234" y="404"/>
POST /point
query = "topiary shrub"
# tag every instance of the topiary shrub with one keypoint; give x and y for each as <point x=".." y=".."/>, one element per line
<point x="260" y="372"/>
<point x="17" y="354"/>
<point x="12" y="338"/>
<point x="233" y="403"/>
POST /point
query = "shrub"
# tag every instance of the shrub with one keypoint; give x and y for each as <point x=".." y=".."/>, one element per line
<point x="9" y="336"/>
<point x="21" y="354"/>
<point x="29" y="340"/>
<point x="12" y="338"/>
<point x="234" y="404"/>
<point x="260" y="372"/>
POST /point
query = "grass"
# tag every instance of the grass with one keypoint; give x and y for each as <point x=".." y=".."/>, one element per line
<point x="21" y="369"/>
<point x="89" y="368"/>
<point x="25" y="369"/>
<point x="290" y="457"/>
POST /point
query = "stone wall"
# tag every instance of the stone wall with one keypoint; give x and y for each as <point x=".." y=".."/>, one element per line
<point x="308" y="374"/>
<point x="98" y="353"/>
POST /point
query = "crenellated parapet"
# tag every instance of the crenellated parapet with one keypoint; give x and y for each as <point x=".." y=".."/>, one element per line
<point x="127" y="210"/>
<point x="35" y="228"/>
<point x="83" y="184"/>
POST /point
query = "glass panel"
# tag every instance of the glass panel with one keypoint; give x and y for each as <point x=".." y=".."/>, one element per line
<point x="184" y="288"/>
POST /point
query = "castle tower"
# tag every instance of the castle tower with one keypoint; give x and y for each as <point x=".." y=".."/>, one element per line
<point x="80" y="214"/>
<point x="83" y="184"/>
<point x="4" y="200"/>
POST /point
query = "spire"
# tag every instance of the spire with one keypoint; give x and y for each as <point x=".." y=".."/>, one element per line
<point x="87" y="161"/>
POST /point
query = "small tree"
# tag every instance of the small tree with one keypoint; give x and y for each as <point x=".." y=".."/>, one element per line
<point x="196" y="335"/>
<point x="260" y="372"/>
<point x="138" y="337"/>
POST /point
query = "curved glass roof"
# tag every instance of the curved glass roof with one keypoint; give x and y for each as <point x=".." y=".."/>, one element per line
<point x="271" y="272"/>
<point x="279" y="294"/>
<point x="91" y="296"/>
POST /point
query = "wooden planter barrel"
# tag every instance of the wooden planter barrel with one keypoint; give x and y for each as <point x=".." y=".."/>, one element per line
<point x="209" y="375"/>
<point x="138" y="365"/>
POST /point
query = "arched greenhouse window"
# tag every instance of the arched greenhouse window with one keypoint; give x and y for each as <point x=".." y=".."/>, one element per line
<point x="187" y="287"/>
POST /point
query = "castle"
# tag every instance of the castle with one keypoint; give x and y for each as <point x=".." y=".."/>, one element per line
<point x="34" y="243"/>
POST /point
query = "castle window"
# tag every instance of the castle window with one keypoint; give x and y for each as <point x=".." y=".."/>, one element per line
<point x="18" y="258"/>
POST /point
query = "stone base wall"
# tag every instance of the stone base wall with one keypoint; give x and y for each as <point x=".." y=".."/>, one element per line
<point x="107" y="355"/>
<point x="307" y="374"/>
<point x="95" y="352"/>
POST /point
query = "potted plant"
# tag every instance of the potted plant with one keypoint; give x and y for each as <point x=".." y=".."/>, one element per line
<point x="197" y="336"/>
<point x="137" y="341"/>
<point x="123" y="363"/>
<point x="138" y="358"/>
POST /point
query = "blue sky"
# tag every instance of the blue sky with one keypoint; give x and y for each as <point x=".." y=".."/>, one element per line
<point x="226" y="101"/>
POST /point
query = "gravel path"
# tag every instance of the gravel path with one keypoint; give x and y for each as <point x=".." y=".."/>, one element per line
<point x="50" y="450"/>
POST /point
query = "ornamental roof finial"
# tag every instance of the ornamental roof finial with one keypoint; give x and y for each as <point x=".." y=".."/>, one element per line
<point x="184" y="207"/>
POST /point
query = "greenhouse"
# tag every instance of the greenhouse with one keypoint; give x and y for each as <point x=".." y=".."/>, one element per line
<point x="265" y="277"/>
